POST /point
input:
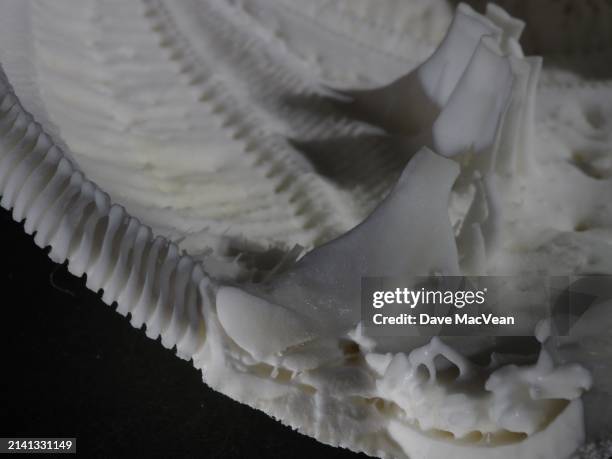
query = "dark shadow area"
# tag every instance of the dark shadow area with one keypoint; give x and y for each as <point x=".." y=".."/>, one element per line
<point x="384" y="107"/>
<point x="359" y="161"/>
<point x="377" y="132"/>
<point x="359" y="151"/>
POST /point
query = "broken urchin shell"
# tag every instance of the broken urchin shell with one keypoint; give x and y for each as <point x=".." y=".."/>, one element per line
<point x="281" y="335"/>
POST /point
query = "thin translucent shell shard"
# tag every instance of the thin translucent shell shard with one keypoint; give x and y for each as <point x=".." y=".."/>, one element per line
<point x="325" y="284"/>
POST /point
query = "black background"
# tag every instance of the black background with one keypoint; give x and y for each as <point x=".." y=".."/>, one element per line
<point x="73" y="367"/>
